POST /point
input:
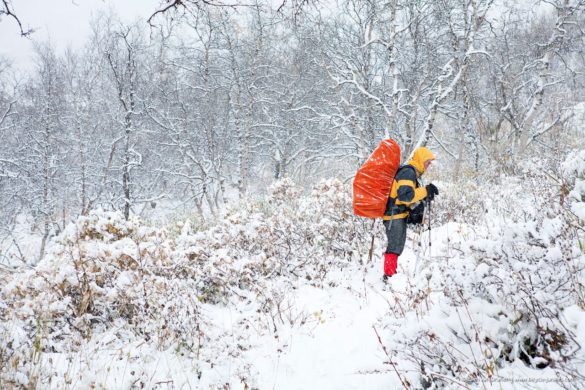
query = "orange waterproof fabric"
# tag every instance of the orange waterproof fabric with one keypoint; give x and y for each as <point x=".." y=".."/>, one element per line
<point x="373" y="181"/>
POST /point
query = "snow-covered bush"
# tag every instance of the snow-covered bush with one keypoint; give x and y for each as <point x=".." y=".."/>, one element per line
<point x="287" y="235"/>
<point x="100" y="271"/>
<point x="284" y="191"/>
<point x="103" y="272"/>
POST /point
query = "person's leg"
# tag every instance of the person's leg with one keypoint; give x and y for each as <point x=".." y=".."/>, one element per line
<point x="396" y="234"/>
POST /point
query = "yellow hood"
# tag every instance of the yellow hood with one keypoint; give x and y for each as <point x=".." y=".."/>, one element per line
<point x="419" y="157"/>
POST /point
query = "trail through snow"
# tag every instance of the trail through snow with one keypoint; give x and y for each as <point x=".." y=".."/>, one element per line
<point x="337" y="348"/>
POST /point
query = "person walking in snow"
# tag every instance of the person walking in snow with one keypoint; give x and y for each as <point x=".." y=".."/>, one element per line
<point x="405" y="205"/>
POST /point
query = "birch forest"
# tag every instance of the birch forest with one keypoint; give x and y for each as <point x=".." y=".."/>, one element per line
<point x="209" y="102"/>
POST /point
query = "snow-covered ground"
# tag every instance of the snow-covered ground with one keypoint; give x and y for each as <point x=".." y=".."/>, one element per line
<point x="281" y="294"/>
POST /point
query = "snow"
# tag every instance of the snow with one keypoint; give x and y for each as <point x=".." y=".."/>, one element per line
<point x="574" y="168"/>
<point x="579" y="210"/>
<point x="19" y="244"/>
<point x="577" y="121"/>
<point x="281" y="294"/>
<point x="306" y="350"/>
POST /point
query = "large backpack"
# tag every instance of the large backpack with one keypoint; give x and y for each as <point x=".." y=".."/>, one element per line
<point x="373" y="181"/>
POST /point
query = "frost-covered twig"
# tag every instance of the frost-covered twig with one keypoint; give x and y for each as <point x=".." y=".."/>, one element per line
<point x="403" y="381"/>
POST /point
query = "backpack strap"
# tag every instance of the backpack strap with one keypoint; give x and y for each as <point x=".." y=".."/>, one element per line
<point x="408" y="166"/>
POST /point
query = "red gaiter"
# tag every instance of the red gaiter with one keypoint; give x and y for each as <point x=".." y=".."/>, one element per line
<point x="390" y="263"/>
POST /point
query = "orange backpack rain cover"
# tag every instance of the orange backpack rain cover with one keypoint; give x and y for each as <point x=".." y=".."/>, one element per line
<point x="373" y="181"/>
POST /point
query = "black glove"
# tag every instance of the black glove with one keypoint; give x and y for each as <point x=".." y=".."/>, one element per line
<point x="432" y="190"/>
<point x="416" y="214"/>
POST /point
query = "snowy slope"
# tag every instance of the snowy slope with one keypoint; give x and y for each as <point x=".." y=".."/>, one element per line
<point x="280" y="294"/>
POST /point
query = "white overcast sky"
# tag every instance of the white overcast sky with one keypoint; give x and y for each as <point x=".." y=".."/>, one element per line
<point x="64" y="22"/>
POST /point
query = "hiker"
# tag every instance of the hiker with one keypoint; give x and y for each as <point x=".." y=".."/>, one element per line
<point x="405" y="205"/>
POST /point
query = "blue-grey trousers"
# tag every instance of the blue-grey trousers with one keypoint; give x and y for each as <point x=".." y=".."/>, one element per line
<point x="396" y="234"/>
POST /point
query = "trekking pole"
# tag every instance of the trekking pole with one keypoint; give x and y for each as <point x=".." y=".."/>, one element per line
<point x="430" y="242"/>
<point x="420" y="232"/>
<point x="418" y="247"/>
